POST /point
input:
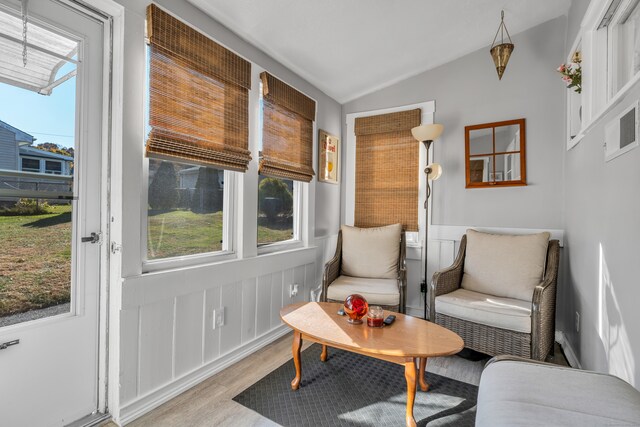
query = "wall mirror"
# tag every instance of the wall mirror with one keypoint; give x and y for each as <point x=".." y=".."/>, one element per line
<point x="495" y="154"/>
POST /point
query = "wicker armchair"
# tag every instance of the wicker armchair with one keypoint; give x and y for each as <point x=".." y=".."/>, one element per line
<point x="493" y="340"/>
<point x="333" y="271"/>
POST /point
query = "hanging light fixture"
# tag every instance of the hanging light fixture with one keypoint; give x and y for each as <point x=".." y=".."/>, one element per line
<point x="501" y="52"/>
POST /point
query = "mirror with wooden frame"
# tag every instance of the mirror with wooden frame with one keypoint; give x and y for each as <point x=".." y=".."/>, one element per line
<point x="495" y="154"/>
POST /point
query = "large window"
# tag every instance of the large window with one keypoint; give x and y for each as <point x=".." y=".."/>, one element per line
<point x="197" y="139"/>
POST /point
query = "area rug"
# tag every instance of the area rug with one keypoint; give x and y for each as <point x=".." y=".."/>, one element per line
<point x="354" y="390"/>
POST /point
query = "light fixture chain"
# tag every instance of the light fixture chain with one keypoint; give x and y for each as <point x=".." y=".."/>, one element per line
<point x="25" y="5"/>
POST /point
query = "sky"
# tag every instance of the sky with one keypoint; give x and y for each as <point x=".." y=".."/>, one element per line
<point x="47" y="118"/>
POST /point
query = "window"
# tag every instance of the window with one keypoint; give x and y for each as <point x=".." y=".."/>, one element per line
<point x="624" y="36"/>
<point x="52" y="166"/>
<point x="198" y="129"/>
<point x="277" y="208"/>
<point x="30" y="165"/>
<point x="186" y="209"/>
<point x="285" y="159"/>
<point x="387" y="165"/>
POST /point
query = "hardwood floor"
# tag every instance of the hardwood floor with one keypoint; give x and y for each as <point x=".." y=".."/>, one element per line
<point x="210" y="404"/>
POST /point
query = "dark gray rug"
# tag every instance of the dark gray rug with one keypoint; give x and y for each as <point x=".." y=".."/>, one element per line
<point x="354" y="390"/>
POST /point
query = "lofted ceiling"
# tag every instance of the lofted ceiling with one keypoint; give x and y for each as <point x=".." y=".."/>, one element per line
<point x="348" y="48"/>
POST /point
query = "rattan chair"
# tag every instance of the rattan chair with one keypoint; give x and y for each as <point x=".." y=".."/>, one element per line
<point x="492" y="340"/>
<point x="333" y="270"/>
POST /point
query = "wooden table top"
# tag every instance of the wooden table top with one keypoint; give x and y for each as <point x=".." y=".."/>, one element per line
<point x="408" y="336"/>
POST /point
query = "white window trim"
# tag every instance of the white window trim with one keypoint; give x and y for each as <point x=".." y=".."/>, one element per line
<point x="428" y="109"/>
<point x="60" y="162"/>
<point x="302" y="198"/>
<point x="594" y="108"/>
<point x="228" y="252"/>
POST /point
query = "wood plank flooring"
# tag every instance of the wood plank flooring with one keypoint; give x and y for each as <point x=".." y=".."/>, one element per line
<point x="210" y="404"/>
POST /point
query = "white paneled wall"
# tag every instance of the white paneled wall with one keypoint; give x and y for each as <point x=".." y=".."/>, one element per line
<point x="169" y="342"/>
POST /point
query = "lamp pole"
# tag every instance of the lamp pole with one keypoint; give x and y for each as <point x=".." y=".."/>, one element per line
<point x="427" y="145"/>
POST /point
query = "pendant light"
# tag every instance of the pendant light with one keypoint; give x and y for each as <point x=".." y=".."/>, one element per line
<point x="501" y="52"/>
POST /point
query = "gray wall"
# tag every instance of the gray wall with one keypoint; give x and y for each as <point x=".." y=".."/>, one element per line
<point x="467" y="92"/>
<point x="602" y="212"/>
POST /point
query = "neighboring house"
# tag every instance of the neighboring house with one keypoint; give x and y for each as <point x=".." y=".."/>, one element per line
<point x="16" y="154"/>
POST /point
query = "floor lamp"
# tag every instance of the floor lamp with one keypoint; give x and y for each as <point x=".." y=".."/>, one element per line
<point x="427" y="134"/>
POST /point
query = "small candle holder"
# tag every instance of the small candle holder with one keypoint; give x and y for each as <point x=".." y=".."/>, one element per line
<point x="375" y="317"/>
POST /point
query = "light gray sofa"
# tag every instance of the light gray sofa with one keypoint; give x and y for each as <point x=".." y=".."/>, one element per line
<point x="519" y="392"/>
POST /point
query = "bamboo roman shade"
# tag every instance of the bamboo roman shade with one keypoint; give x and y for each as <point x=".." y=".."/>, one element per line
<point x="287" y="131"/>
<point x="387" y="170"/>
<point x="198" y="96"/>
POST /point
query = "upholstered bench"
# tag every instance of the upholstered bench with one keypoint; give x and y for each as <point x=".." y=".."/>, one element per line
<point x="519" y="392"/>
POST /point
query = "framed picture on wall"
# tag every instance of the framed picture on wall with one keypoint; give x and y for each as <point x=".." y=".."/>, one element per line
<point x="328" y="157"/>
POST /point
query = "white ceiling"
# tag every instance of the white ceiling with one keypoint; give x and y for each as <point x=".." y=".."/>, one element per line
<point x="348" y="48"/>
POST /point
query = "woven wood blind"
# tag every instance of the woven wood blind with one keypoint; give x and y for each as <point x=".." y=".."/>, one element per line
<point x="198" y="96"/>
<point x="287" y="132"/>
<point x="387" y="170"/>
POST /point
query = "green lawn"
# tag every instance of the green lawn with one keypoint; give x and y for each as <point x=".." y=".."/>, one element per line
<point x="35" y="251"/>
<point x="182" y="232"/>
<point x="35" y="260"/>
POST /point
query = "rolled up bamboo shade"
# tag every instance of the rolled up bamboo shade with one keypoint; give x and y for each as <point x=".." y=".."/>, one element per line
<point x="387" y="175"/>
<point x="287" y="132"/>
<point x="198" y="97"/>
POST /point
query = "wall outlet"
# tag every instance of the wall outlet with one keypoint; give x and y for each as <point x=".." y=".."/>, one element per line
<point x="577" y="322"/>
<point x="293" y="290"/>
<point x="218" y="317"/>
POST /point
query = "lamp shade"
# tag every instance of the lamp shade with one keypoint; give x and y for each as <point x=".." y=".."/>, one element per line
<point x="427" y="132"/>
<point x="434" y="171"/>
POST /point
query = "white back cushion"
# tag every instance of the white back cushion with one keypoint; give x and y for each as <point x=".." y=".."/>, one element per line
<point x="371" y="252"/>
<point x="504" y="265"/>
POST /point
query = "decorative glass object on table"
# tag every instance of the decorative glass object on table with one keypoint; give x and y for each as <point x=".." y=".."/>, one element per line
<point x="356" y="307"/>
<point x="375" y="318"/>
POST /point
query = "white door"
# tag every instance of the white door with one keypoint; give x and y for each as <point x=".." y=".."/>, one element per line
<point x="49" y="277"/>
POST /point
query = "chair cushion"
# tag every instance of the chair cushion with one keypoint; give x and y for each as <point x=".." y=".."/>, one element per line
<point x="376" y="291"/>
<point x="520" y="393"/>
<point x="504" y="265"/>
<point x="371" y="252"/>
<point x="505" y="313"/>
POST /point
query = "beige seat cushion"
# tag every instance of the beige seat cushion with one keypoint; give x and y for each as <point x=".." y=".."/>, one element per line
<point x="371" y="252"/>
<point x="505" y="313"/>
<point x="376" y="291"/>
<point x="504" y="265"/>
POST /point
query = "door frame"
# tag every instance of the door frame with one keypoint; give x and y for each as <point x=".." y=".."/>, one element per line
<point x="112" y="14"/>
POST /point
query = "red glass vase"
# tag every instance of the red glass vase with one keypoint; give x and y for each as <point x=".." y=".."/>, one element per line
<point x="356" y="307"/>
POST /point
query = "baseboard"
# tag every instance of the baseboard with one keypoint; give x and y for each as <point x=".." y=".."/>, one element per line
<point x="561" y="339"/>
<point x="136" y="409"/>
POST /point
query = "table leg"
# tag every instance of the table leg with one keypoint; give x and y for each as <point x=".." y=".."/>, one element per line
<point x="423" y="383"/>
<point x="323" y="355"/>
<point x="295" y="349"/>
<point x="410" y="376"/>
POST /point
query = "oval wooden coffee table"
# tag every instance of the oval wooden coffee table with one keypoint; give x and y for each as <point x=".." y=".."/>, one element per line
<point x="406" y="341"/>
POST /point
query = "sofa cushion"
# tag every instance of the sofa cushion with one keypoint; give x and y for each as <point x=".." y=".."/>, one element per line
<point x="504" y="265"/>
<point x="519" y="393"/>
<point x="376" y="291"/>
<point x="505" y="313"/>
<point x="371" y="252"/>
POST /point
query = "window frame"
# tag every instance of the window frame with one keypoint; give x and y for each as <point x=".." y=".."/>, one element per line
<point x="598" y="96"/>
<point x="297" y="240"/>
<point x="414" y="239"/>
<point x="229" y="209"/>
<point x="52" y="172"/>
<point x="31" y="169"/>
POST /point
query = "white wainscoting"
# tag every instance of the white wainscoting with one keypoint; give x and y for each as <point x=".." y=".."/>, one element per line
<point x="168" y="342"/>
